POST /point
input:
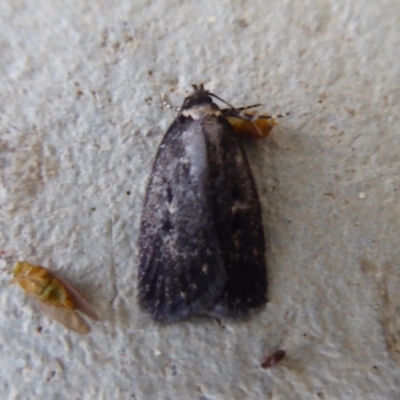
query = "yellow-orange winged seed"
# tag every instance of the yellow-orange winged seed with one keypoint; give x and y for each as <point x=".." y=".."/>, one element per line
<point x="55" y="297"/>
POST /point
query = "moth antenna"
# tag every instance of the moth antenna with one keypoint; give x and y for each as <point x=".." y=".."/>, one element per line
<point x="219" y="98"/>
<point x="167" y="104"/>
<point x="254" y="117"/>
<point x="229" y="111"/>
<point x="285" y="114"/>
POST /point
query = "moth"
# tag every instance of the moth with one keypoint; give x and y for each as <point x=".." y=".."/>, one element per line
<point x="201" y="240"/>
<point x="59" y="300"/>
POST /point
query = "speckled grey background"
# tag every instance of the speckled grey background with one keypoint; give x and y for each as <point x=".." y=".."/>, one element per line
<point x="80" y="122"/>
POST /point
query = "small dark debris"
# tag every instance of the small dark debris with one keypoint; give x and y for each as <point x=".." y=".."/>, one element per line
<point x="242" y="23"/>
<point x="174" y="369"/>
<point x="128" y="38"/>
<point x="273" y="359"/>
<point x="128" y="192"/>
<point x="50" y="376"/>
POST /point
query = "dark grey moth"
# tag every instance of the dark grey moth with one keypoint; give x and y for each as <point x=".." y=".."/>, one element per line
<point x="201" y="241"/>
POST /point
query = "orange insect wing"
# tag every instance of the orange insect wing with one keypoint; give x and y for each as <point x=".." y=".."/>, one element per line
<point x="54" y="296"/>
<point x="257" y="129"/>
<point x="67" y="317"/>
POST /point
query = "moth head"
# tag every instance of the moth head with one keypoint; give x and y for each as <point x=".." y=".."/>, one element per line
<point x="199" y="104"/>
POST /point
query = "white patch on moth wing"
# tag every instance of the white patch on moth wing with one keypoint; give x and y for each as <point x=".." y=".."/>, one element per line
<point x="205" y="269"/>
<point x="202" y="111"/>
<point x="185" y="161"/>
<point x="172" y="207"/>
<point x="239" y="206"/>
<point x="213" y="130"/>
<point x="196" y="152"/>
<point x="238" y="158"/>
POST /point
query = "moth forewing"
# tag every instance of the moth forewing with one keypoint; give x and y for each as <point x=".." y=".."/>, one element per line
<point x="181" y="269"/>
<point x="65" y="316"/>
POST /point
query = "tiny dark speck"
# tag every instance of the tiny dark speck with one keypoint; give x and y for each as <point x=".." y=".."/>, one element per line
<point x="289" y="221"/>
<point x="128" y="192"/>
<point x="50" y="376"/>
<point x="93" y="208"/>
<point x="273" y="359"/>
<point x="150" y="72"/>
<point x="242" y="23"/>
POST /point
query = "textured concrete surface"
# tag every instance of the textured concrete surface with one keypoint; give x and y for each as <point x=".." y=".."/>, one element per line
<point x="80" y="122"/>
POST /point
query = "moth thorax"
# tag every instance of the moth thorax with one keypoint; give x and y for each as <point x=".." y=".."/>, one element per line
<point x="201" y="111"/>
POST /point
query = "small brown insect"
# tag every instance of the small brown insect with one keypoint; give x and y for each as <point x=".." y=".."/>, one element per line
<point x="55" y="297"/>
<point x="273" y="359"/>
